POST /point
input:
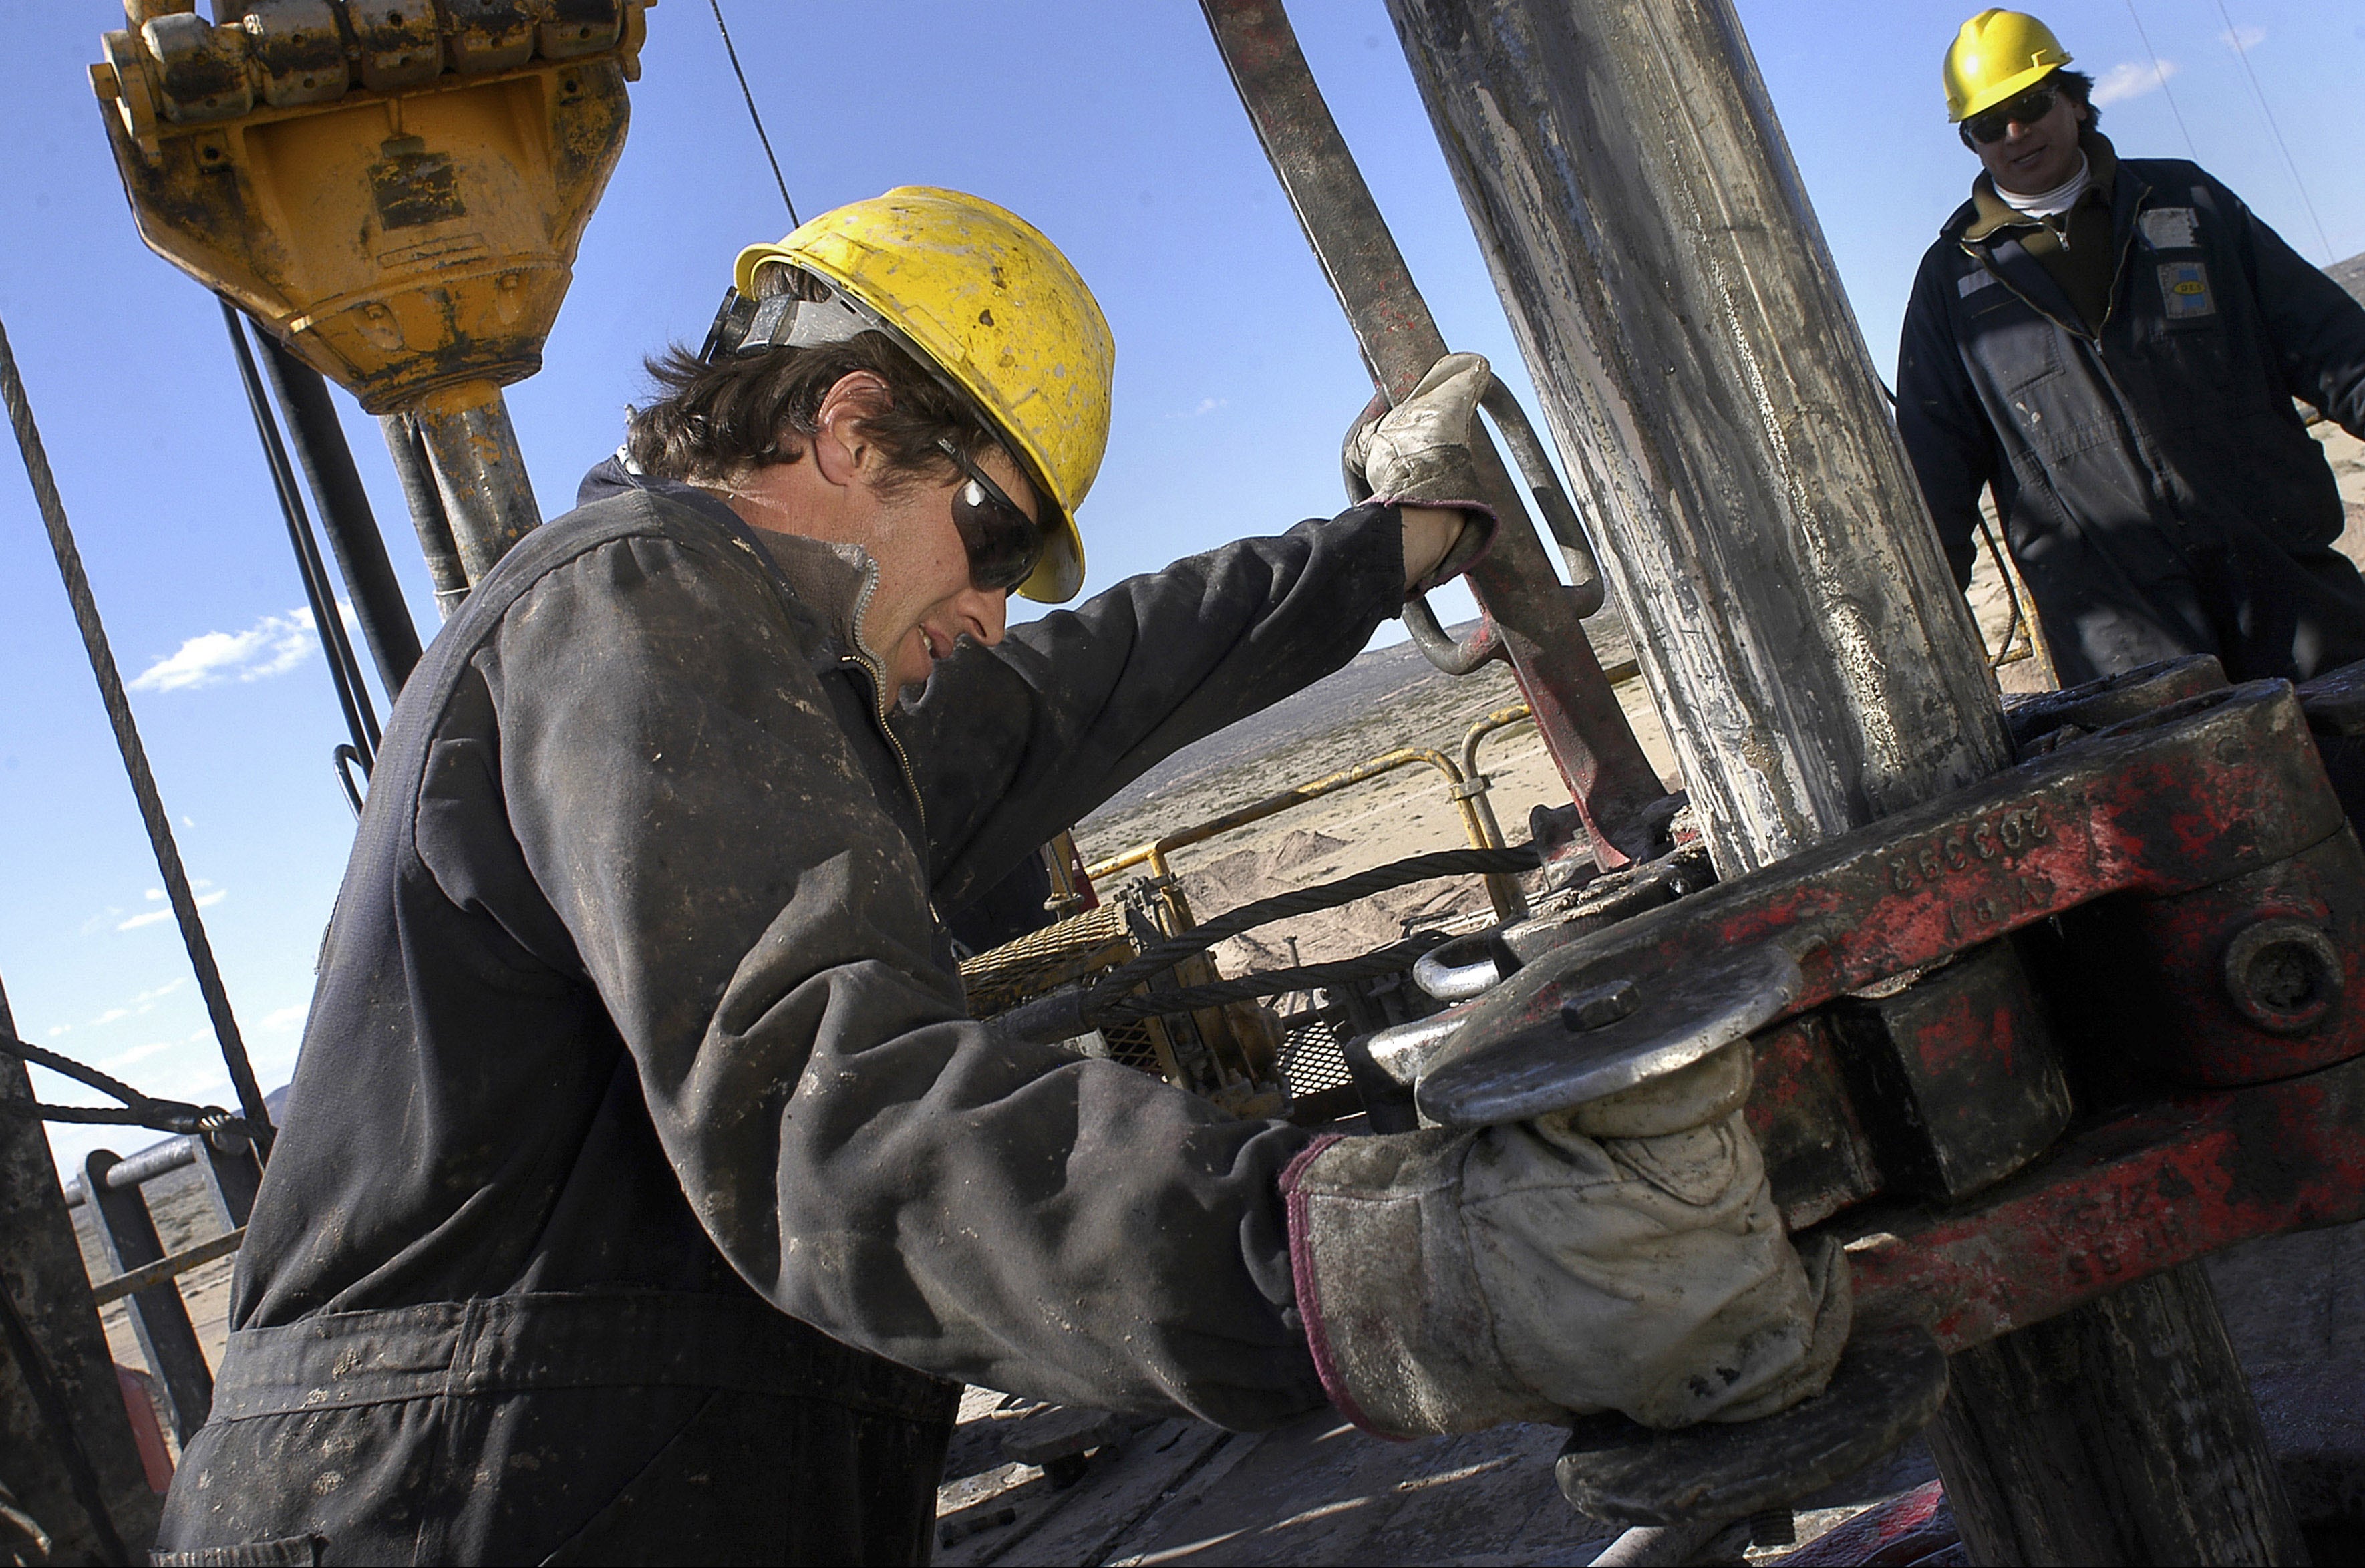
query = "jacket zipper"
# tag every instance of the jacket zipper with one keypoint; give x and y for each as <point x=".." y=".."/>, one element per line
<point x="2118" y="396"/>
<point x="868" y="664"/>
<point x="2110" y="305"/>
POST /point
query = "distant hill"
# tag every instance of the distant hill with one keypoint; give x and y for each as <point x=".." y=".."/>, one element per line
<point x="1374" y="682"/>
<point x="2349" y="275"/>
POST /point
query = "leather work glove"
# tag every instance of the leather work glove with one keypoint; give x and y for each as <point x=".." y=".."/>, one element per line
<point x="1418" y="453"/>
<point x="1626" y="1255"/>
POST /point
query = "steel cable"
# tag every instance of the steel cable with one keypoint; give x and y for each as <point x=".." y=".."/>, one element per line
<point x="127" y="742"/>
<point x="1164" y="955"/>
<point x="328" y="620"/>
<point x="1274" y="982"/>
<point x="1067" y="1014"/>
<point x="138" y="1109"/>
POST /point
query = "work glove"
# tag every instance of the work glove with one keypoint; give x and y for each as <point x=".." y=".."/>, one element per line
<point x="1418" y="453"/>
<point x="1626" y="1255"/>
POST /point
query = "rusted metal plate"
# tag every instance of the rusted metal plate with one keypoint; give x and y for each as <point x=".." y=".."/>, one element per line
<point x="1955" y="1076"/>
<point x="2114" y="1204"/>
<point x="2212" y="788"/>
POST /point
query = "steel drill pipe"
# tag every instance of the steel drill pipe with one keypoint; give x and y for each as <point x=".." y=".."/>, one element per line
<point x="1706" y="381"/>
<point x="1704" y="377"/>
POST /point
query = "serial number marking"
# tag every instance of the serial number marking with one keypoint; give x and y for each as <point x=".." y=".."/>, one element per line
<point x="1963" y="849"/>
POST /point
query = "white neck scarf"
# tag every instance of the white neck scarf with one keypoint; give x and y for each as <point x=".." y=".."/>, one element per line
<point x="2056" y="201"/>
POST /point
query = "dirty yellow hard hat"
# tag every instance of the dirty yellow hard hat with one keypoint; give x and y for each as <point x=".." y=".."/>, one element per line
<point x="996" y="309"/>
<point x="1997" y="56"/>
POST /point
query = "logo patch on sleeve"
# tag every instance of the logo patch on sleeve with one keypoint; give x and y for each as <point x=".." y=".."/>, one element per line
<point x="2184" y="290"/>
<point x="2168" y="228"/>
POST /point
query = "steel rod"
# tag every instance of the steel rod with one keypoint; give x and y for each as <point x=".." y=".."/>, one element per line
<point x="1702" y="374"/>
<point x="345" y="670"/>
<point x="1534" y="617"/>
<point x="175" y="877"/>
<point x="426" y="519"/>
<point x="150" y="1275"/>
<point x="327" y="459"/>
<point x="480" y="472"/>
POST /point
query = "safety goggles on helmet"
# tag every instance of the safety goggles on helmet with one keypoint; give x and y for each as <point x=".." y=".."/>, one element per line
<point x="796" y="310"/>
<point x="1003" y="543"/>
<point x="1992" y="126"/>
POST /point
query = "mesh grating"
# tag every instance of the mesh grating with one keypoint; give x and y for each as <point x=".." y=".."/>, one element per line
<point x="1087" y="944"/>
<point x="1131" y="1044"/>
<point x="1310" y="1059"/>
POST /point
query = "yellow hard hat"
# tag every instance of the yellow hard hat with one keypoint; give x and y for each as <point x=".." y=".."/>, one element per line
<point x="994" y="308"/>
<point x="1996" y="57"/>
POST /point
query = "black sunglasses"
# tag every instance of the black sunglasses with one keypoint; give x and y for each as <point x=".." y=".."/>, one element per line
<point x="1003" y="543"/>
<point x="1992" y="126"/>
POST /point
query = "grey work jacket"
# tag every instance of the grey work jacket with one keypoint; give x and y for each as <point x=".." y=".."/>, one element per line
<point x="639" y="1114"/>
<point x="2159" y="492"/>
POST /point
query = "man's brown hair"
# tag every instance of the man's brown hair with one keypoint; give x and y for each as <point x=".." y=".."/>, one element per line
<point x="713" y="421"/>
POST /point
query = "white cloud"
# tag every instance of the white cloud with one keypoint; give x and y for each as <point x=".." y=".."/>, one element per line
<point x="2243" y="39"/>
<point x="2132" y="79"/>
<point x="1206" y="406"/>
<point x="273" y="645"/>
<point x="285" y="1018"/>
<point x="136" y="1054"/>
<point x="204" y="901"/>
<point x="146" y="1000"/>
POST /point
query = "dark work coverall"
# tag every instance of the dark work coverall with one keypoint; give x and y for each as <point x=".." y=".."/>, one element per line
<point x="2159" y="491"/>
<point x="640" y="1142"/>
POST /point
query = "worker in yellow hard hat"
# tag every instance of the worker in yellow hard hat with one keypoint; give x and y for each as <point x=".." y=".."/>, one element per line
<point x="645" y="1192"/>
<point x="2112" y="348"/>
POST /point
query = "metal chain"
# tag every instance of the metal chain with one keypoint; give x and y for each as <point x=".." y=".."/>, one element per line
<point x="127" y="742"/>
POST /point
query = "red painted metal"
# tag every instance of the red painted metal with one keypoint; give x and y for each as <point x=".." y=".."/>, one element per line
<point x="2112" y="1204"/>
<point x="2220" y="1098"/>
<point x="2209" y="790"/>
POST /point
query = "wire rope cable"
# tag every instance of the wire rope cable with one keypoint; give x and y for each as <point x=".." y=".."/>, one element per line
<point x="135" y="755"/>
<point x="328" y="619"/>
<point x="2159" y="74"/>
<point x="2233" y="42"/>
<point x="785" y="201"/>
<point x="138" y="1109"/>
<point x="1063" y="1015"/>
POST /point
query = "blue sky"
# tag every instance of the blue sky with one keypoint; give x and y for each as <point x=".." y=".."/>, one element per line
<point x="1111" y="126"/>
